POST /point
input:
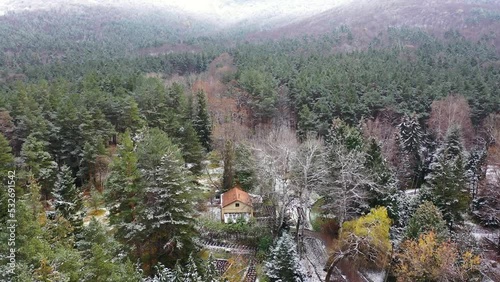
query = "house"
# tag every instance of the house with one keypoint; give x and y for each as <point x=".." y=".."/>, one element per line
<point x="235" y="203"/>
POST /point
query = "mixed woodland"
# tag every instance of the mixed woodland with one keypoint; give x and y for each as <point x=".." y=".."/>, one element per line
<point x="122" y="129"/>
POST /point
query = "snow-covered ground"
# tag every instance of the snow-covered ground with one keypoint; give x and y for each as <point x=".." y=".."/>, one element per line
<point x="375" y="276"/>
<point x="479" y="232"/>
<point x="493" y="174"/>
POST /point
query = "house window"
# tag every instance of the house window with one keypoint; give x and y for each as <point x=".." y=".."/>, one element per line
<point x="237" y="204"/>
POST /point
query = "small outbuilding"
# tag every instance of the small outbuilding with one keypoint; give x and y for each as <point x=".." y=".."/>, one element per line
<point x="236" y="203"/>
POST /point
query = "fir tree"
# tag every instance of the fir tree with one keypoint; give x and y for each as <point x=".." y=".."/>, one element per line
<point x="169" y="196"/>
<point x="163" y="274"/>
<point x="447" y="180"/>
<point x="228" y="156"/>
<point x="192" y="151"/>
<point x="191" y="273"/>
<point x="201" y="121"/>
<point x="211" y="274"/>
<point x="427" y="218"/>
<point x="410" y="140"/>
<point x="67" y="198"/>
<point x="6" y="158"/>
<point x="474" y="170"/>
<point x="283" y="262"/>
<point x="103" y="260"/>
<point x="123" y="193"/>
<point x="6" y="164"/>
<point x="38" y="162"/>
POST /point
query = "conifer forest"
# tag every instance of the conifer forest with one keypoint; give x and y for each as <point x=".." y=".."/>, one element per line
<point x="250" y="141"/>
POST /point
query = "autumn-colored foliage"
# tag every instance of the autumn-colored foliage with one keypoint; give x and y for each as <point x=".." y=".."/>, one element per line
<point x="428" y="259"/>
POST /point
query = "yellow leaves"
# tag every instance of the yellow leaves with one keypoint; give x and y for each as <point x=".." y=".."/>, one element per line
<point x="426" y="259"/>
<point x="470" y="262"/>
<point x="369" y="234"/>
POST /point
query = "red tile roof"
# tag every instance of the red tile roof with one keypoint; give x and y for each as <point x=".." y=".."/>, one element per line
<point x="236" y="194"/>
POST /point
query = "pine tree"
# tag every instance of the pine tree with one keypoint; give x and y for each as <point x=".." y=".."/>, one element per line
<point x="211" y="274"/>
<point x="123" y="193"/>
<point x="6" y="158"/>
<point x="130" y="117"/>
<point x="474" y="170"/>
<point x="38" y="162"/>
<point x="306" y="122"/>
<point x="447" y="179"/>
<point x="103" y="261"/>
<point x="6" y="164"/>
<point x="169" y="195"/>
<point x="192" y="151"/>
<point x="244" y="167"/>
<point x="163" y="274"/>
<point x="67" y="198"/>
<point x="410" y="140"/>
<point x="283" y="262"/>
<point x="228" y="156"/>
<point x="191" y="273"/>
<point x="201" y="121"/>
<point x="427" y="218"/>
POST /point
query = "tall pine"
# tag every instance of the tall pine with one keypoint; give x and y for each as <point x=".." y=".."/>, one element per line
<point x="283" y="261"/>
<point x="67" y="198"/>
<point x="447" y="178"/>
<point x="123" y="192"/>
<point x="167" y="215"/>
<point x="201" y="121"/>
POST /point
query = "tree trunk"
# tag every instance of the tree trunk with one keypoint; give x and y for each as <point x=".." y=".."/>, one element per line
<point x="332" y="266"/>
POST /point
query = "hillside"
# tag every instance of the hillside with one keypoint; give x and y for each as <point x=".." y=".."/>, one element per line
<point x="367" y="19"/>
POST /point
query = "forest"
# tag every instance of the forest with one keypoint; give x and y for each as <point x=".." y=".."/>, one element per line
<point x="366" y="160"/>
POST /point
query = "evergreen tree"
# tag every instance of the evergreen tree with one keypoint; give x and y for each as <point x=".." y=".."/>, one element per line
<point x="191" y="273"/>
<point x="474" y="170"/>
<point x="283" y="261"/>
<point x="211" y="273"/>
<point x="103" y="261"/>
<point x="201" y="121"/>
<point x="410" y="141"/>
<point x="163" y="274"/>
<point x="38" y="162"/>
<point x="306" y="122"/>
<point x="447" y="179"/>
<point x="6" y="158"/>
<point x="228" y="163"/>
<point x="67" y="198"/>
<point x="427" y="218"/>
<point x="6" y="164"/>
<point x="130" y="116"/>
<point x="244" y="167"/>
<point x="192" y="151"/>
<point x="169" y="196"/>
<point x="380" y="194"/>
<point x="123" y="193"/>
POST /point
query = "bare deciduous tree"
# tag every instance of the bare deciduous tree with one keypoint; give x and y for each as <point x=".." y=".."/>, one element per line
<point x="309" y="171"/>
<point x="452" y="110"/>
<point x="274" y="153"/>
<point x="348" y="183"/>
